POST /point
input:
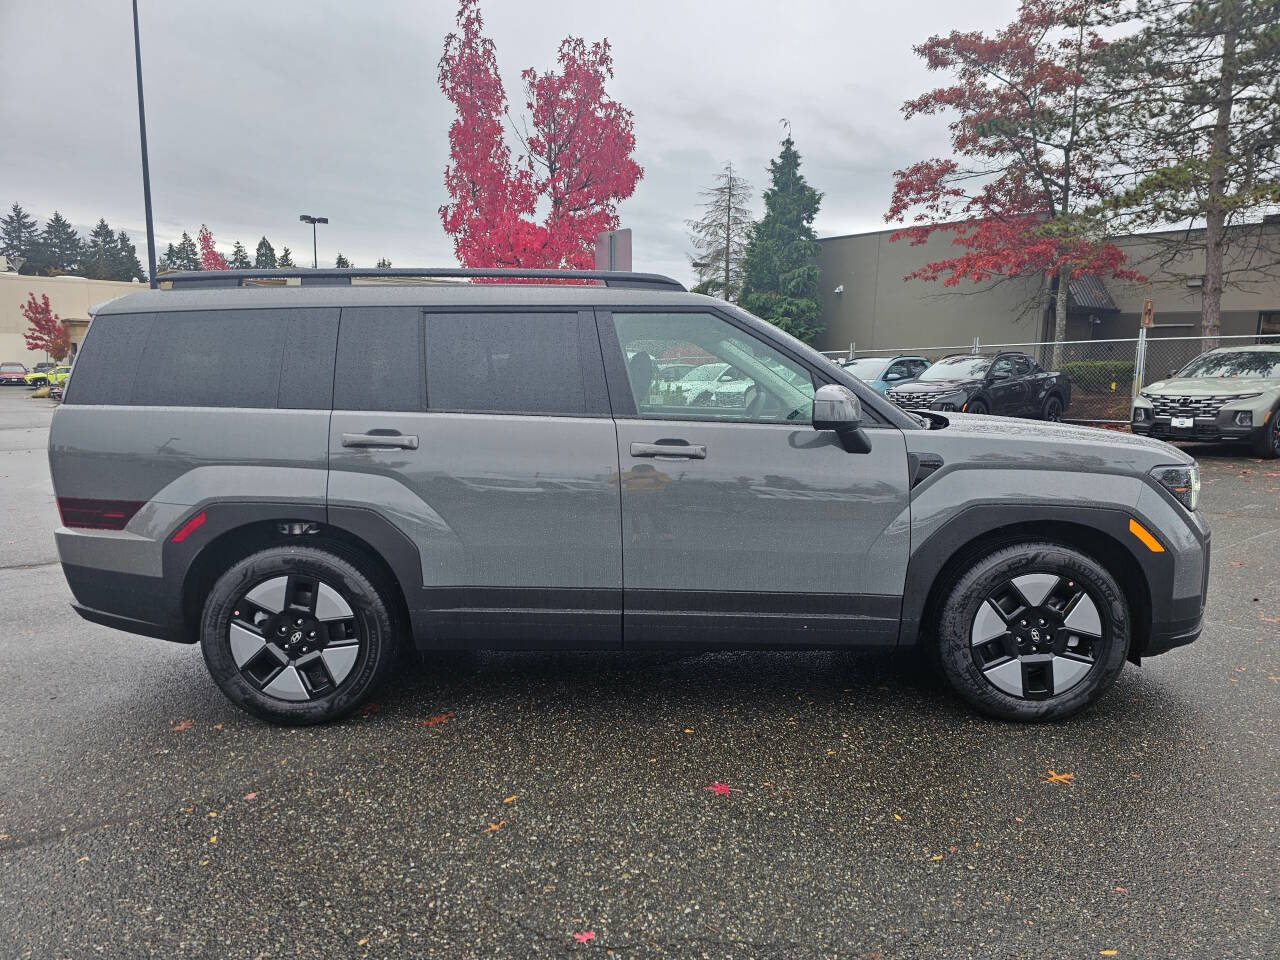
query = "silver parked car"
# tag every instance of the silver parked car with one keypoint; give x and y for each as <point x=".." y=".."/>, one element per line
<point x="331" y="472"/>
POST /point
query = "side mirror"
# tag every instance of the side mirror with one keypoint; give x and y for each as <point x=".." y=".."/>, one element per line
<point x="892" y="377"/>
<point x="838" y="408"/>
<point x="998" y="375"/>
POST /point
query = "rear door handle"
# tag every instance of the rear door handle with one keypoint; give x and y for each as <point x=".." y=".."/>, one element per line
<point x="395" y="440"/>
<point x="672" y="450"/>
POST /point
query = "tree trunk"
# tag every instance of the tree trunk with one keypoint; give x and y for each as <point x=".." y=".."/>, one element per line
<point x="1215" y="210"/>
<point x="1061" y="298"/>
<point x="728" y="234"/>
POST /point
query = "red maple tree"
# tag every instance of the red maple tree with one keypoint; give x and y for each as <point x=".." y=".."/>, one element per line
<point x="576" y="162"/>
<point x="1024" y="173"/>
<point x="210" y="258"/>
<point x="45" y="329"/>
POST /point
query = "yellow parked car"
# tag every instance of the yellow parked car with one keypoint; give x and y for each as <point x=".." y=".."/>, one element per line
<point x="59" y="375"/>
<point x="39" y="375"/>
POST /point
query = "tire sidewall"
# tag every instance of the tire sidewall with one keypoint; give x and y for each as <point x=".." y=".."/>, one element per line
<point x="971" y="591"/>
<point x="372" y="615"/>
<point x="979" y="403"/>
<point x="1044" y="413"/>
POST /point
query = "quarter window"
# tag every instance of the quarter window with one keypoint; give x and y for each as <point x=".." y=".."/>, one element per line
<point x="724" y="373"/>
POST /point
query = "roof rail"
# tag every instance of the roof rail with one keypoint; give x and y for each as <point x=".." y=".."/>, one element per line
<point x="344" y="275"/>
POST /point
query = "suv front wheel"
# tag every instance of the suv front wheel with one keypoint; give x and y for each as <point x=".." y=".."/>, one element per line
<point x="1033" y="632"/>
<point x="297" y="635"/>
<point x="1266" y="442"/>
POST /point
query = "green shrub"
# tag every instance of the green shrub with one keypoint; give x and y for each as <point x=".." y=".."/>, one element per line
<point x="1099" y="375"/>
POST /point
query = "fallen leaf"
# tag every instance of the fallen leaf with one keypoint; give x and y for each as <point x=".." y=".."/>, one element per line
<point x="213" y="813"/>
<point x="1266" y="619"/>
<point x="1065" y="778"/>
<point x="214" y="838"/>
<point x="1108" y="953"/>
<point x="495" y="827"/>
<point x="1237" y="563"/>
<point x="1122" y="889"/>
<point x="936" y="857"/>
<point x="439" y="718"/>
<point x="585" y="936"/>
<point x="688" y="729"/>
<point x="217" y="726"/>
<point x="898" y="818"/>
<point x="718" y="788"/>
<point x="510" y="799"/>
<point x="82" y="860"/>
<point x="182" y="726"/>
<point x="362" y="942"/>
<point x="251" y="796"/>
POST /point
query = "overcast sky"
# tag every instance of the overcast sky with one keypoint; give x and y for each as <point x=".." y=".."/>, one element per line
<point x="257" y="112"/>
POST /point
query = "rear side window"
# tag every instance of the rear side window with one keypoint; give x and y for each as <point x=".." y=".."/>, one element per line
<point x="209" y="358"/>
<point x="537" y="363"/>
<point x="380" y="360"/>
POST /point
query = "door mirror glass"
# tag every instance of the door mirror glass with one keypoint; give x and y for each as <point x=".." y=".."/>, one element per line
<point x="892" y="377"/>
<point x="836" y="407"/>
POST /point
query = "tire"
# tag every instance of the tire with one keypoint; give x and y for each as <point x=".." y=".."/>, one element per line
<point x="1266" y="442"/>
<point x="1074" y="659"/>
<point x="1052" y="409"/>
<point x="311" y="673"/>
<point x="977" y="406"/>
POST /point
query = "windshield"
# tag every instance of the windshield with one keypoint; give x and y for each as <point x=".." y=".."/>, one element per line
<point x="867" y="368"/>
<point x="1234" y="363"/>
<point x="957" y="368"/>
<point x="708" y="371"/>
<point x="12" y="366"/>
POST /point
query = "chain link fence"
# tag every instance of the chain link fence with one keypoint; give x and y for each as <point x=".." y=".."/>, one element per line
<point x="1105" y="374"/>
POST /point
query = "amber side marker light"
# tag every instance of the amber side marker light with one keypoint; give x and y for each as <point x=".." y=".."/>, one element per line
<point x="1143" y="534"/>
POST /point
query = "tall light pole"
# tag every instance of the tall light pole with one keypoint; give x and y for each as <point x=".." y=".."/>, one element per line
<point x="146" y="168"/>
<point x="307" y="218"/>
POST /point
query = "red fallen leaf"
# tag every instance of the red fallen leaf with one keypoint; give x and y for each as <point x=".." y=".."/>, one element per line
<point x="1237" y="563"/>
<point x="585" y="936"/>
<point x="251" y="796"/>
<point x="719" y="789"/>
<point x="439" y="718"/>
<point x="180" y="727"/>
<point x="1122" y="889"/>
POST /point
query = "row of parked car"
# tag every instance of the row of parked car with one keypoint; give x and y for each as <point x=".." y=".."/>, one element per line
<point x="1227" y="394"/>
<point x="41" y="375"/>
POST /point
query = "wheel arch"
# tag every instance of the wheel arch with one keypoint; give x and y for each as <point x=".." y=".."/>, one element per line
<point x="936" y="564"/>
<point x="370" y="542"/>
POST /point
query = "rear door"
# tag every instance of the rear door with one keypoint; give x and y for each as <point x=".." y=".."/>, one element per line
<point x="485" y="437"/>
<point x="742" y="524"/>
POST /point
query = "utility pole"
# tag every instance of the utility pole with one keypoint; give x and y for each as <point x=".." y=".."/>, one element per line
<point x="307" y="218"/>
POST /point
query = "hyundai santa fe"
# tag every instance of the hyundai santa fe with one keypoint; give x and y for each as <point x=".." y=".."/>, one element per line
<point x="342" y="465"/>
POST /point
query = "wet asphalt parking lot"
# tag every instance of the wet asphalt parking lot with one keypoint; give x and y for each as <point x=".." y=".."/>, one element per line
<point x="529" y="805"/>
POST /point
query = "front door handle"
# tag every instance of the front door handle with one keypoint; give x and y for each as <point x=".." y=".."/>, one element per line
<point x="670" y="449"/>
<point x="398" y="441"/>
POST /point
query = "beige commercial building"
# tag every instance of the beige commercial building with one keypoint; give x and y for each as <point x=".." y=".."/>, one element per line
<point x="865" y="300"/>
<point x="69" y="297"/>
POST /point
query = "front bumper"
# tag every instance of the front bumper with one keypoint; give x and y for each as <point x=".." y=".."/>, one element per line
<point x="1177" y="579"/>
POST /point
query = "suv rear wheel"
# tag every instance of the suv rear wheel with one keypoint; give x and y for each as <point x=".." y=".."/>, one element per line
<point x="297" y="635"/>
<point x="1033" y="632"/>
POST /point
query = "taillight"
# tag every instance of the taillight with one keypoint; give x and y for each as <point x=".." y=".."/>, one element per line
<point x="97" y="514"/>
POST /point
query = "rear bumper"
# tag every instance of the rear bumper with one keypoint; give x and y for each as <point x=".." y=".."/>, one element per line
<point x="124" y="601"/>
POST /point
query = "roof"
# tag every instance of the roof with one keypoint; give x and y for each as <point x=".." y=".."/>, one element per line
<point x="1087" y="292"/>
<point x="503" y="295"/>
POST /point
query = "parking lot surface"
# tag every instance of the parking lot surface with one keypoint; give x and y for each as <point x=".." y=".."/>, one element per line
<point x="519" y="805"/>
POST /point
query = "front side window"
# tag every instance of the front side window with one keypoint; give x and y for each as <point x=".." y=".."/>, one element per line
<point x="730" y="374"/>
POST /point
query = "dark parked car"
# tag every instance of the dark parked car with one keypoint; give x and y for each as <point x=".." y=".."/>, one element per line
<point x="1007" y="384"/>
<point x="12" y="374"/>
<point x="331" y="472"/>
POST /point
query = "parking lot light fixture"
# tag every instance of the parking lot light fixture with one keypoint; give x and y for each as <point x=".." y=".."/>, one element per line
<point x="307" y="218"/>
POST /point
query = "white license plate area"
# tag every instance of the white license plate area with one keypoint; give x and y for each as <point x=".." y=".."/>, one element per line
<point x="1182" y="423"/>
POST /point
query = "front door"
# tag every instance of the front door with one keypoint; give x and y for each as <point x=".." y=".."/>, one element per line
<point x="741" y="524"/>
<point x="486" y="439"/>
<point x="1006" y="389"/>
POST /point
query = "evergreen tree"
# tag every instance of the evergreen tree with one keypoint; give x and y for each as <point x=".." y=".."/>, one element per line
<point x="780" y="281"/>
<point x="264" y="258"/>
<point x="342" y="262"/>
<point x="18" y="233"/>
<point x="239" y="257"/>
<point x="721" y="235"/>
<point x="127" y="265"/>
<point x="187" y="255"/>
<point x="285" y="259"/>
<point x="60" y="246"/>
<point x="169" y="261"/>
<point x="101" y="256"/>
<point x="384" y="263"/>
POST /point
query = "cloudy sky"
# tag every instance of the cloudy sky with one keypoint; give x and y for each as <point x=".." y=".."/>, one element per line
<point x="257" y="112"/>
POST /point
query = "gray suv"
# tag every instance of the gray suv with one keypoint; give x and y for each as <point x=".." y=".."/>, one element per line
<point x="309" y="478"/>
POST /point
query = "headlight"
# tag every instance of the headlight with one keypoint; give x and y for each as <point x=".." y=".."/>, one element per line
<point x="1139" y="414"/>
<point x="951" y="401"/>
<point x="1181" y="481"/>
